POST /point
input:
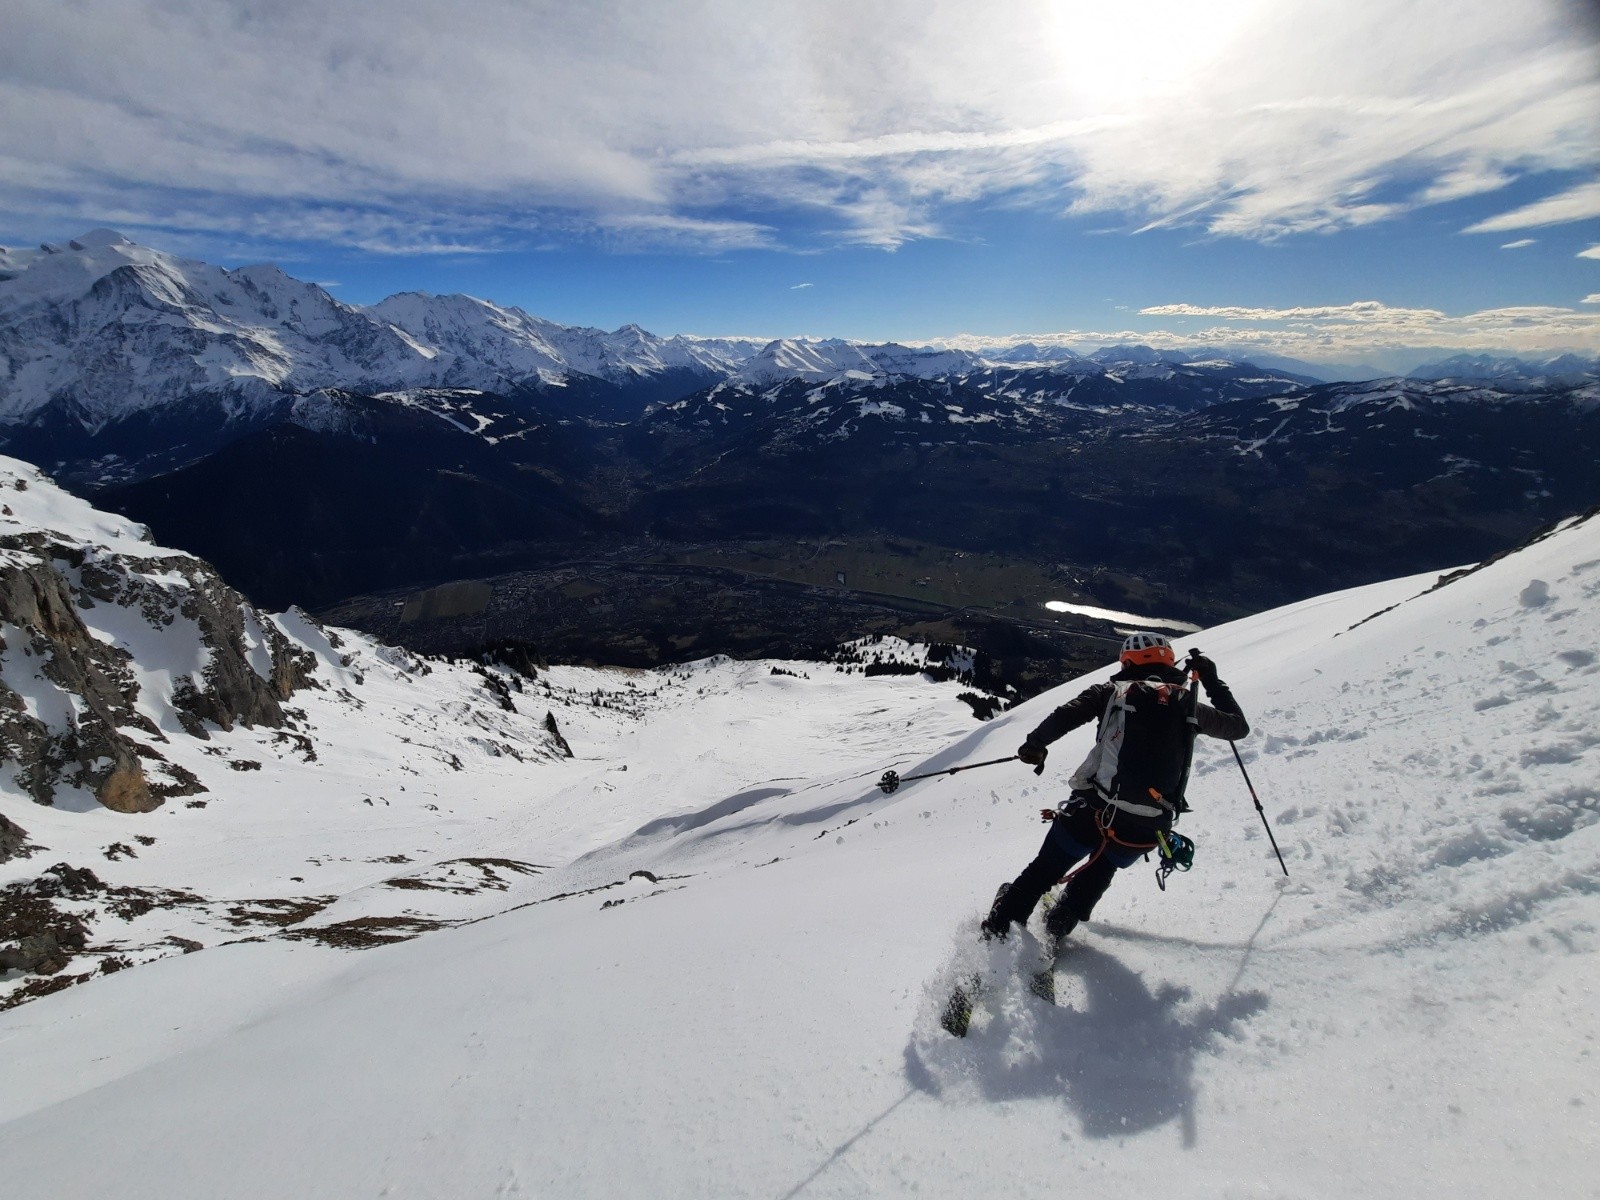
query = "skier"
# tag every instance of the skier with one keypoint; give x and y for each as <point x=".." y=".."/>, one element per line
<point x="1129" y="789"/>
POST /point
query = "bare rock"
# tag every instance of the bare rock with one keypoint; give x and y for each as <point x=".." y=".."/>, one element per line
<point x="232" y="691"/>
<point x="126" y="790"/>
<point x="14" y="841"/>
<point x="554" y="731"/>
<point x="40" y="953"/>
<point x="251" y="669"/>
<point x="91" y="751"/>
<point x="37" y="933"/>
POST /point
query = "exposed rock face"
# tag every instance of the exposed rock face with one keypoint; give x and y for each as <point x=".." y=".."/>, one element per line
<point x="37" y="931"/>
<point x="71" y="709"/>
<point x="555" y="733"/>
<point x="231" y="690"/>
<point x="122" y="668"/>
<point x="90" y="750"/>
<point x="13" y="841"/>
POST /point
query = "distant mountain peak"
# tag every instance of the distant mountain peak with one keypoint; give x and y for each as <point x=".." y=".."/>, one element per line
<point x="1561" y="370"/>
<point x="99" y="239"/>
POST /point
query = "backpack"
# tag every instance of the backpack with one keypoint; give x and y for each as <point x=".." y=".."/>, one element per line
<point x="1140" y="760"/>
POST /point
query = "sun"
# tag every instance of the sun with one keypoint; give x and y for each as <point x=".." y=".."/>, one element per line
<point x="1119" y="56"/>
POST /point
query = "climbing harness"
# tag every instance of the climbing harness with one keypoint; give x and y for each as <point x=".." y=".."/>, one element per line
<point x="1104" y="821"/>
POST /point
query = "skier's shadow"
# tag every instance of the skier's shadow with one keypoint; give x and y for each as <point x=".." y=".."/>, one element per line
<point x="1121" y="1056"/>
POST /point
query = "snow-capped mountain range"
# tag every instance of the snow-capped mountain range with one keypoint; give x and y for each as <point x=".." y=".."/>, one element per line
<point x="1564" y="370"/>
<point x="112" y="328"/>
<point x="793" y="394"/>
<point x="100" y="332"/>
<point x="119" y="362"/>
<point x="414" y="942"/>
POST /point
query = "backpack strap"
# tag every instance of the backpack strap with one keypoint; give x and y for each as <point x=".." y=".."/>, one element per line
<point x="1160" y="805"/>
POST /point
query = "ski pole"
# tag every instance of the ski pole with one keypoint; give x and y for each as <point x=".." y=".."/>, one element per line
<point x="1259" y="809"/>
<point x="891" y="780"/>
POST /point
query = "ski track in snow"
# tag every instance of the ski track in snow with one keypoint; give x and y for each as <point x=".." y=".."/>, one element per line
<point x="1412" y="1012"/>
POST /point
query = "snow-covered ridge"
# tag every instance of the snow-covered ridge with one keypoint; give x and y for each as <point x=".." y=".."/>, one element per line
<point x="882" y="650"/>
<point x="119" y="659"/>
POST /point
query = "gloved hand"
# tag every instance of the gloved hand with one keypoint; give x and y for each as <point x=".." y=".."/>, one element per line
<point x="1203" y="667"/>
<point x="1033" y="755"/>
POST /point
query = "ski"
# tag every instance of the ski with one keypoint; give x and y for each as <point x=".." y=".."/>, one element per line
<point x="957" y="1016"/>
<point x="1043" y="983"/>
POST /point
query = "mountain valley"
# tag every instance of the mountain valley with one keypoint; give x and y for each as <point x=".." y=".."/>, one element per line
<point x="346" y="459"/>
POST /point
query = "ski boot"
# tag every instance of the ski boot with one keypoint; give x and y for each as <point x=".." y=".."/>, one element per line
<point x="993" y="927"/>
<point x="1058" y="926"/>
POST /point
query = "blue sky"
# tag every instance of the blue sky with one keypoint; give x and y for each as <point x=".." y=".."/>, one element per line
<point x="1335" y="181"/>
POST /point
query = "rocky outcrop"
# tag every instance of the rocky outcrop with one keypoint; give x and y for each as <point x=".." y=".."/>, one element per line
<point x="71" y="712"/>
<point x="231" y="688"/>
<point x="40" y="927"/>
<point x="89" y="750"/>
<point x="554" y="731"/>
<point x="14" y="841"/>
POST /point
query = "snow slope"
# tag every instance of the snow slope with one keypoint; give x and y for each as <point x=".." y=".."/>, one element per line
<point x="381" y="789"/>
<point x="1411" y="1013"/>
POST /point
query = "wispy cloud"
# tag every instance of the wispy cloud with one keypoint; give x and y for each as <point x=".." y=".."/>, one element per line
<point x="798" y="286"/>
<point x="658" y="230"/>
<point x="1362" y="311"/>
<point x="1580" y="203"/>
<point x="1519" y="243"/>
<point x="1591" y="298"/>
<point x="1369" y="326"/>
<point x="1591" y="252"/>
<point x="513" y="122"/>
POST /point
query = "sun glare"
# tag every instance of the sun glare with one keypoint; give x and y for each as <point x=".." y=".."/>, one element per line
<point x="1117" y="55"/>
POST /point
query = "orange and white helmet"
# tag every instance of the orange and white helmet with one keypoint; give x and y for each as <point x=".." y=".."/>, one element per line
<point x="1142" y="649"/>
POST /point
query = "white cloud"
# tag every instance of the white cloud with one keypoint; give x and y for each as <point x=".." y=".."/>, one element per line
<point x="798" y="286"/>
<point x="645" y="123"/>
<point x="1369" y="327"/>
<point x="1472" y="179"/>
<point x="1360" y="312"/>
<point x="1519" y="243"/>
<point x="1580" y="203"/>
<point x="1591" y="298"/>
<point x="638" y="230"/>
<point x="1591" y="252"/>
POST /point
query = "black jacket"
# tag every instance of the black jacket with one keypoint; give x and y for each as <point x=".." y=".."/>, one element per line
<point x="1222" y="718"/>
